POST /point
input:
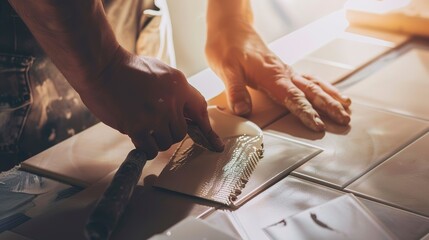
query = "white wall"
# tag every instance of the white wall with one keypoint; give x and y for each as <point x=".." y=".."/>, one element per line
<point x="273" y="19"/>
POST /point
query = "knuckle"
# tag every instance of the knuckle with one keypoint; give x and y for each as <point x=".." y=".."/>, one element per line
<point x="294" y="93"/>
<point x="335" y="105"/>
<point x="236" y="90"/>
<point x="312" y="87"/>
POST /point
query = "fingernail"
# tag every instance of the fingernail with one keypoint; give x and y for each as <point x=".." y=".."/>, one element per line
<point x="220" y="108"/>
<point x="320" y="126"/>
<point x="241" y="108"/>
<point x="346" y="100"/>
<point x="345" y="119"/>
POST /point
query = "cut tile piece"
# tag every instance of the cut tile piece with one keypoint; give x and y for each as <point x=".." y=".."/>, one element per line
<point x="84" y="158"/>
<point x="401" y="86"/>
<point x="293" y="195"/>
<point x="351" y="54"/>
<point x="402" y="180"/>
<point x="264" y="111"/>
<point x="323" y="71"/>
<point x="349" y="152"/>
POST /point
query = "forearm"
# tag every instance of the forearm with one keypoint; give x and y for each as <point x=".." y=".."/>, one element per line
<point x="222" y="13"/>
<point x="74" y="34"/>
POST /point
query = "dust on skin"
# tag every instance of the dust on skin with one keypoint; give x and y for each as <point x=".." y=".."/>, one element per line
<point x="50" y="94"/>
<point x="46" y="89"/>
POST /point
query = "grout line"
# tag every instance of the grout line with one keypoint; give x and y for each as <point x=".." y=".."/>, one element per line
<point x="380" y="201"/>
<point x="388" y="157"/>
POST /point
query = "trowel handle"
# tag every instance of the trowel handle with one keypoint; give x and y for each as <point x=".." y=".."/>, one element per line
<point x="112" y="203"/>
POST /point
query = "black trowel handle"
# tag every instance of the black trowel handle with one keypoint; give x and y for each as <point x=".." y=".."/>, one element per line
<point x="111" y="205"/>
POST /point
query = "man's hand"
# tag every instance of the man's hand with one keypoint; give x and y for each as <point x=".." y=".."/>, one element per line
<point x="141" y="97"/>
<point x="148" y="100"/>
<point x="240" y="57"/>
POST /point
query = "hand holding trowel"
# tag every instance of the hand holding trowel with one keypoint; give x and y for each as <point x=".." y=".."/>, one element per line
<point x="112" y="203"/>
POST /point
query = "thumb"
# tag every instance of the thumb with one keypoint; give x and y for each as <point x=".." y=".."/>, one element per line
<point x="237" y="95"/>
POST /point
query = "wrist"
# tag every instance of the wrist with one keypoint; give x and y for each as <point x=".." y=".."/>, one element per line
<point x="222" y="13"/>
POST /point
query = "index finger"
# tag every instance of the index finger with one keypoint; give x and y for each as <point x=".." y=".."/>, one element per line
<point x="199" y="127"/>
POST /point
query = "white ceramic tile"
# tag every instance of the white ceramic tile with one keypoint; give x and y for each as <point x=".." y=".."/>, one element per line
<point x="344" y="217"/>
<point x="403" y="224"/>
<point x="349" y="152"/>
<point x="84" y="158"/>
<point x="293" y="195"/>
<point x="402" y="180"/>
<point x="220" y="219"/>
<point x="323" y="71"/>
<point x="349" y="53"/>
<point x="401" y="86"/>
<point x="281" y="156"/>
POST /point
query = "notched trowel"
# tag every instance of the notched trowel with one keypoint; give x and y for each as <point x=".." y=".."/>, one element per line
<point x="194" y="170"/>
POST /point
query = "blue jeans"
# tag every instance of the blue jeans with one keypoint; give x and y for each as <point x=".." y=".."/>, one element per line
<point x="38" y="107"/>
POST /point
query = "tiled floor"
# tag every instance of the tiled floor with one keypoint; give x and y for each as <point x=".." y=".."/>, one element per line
<point x="402" y="180"/>
<point x="376" y="133"/>
<point x="402" y="86"/>
<point x="293" y="195"/>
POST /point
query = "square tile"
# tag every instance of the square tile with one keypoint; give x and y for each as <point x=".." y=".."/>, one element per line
<point x="344" y="217"/>
<point x="84" y="158"/>
<point x="281" y="156"/>
<point x="293" y="195"/>
<point x="323" y="71"/>
<point x="350" y="54"/>
<point x="402" y="180"/>
<point x="401" y="86"/>
<point x="349" y="152"/>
